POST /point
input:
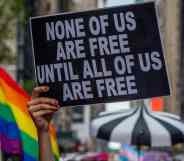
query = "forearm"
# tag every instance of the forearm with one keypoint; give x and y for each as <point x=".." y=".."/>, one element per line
<point x="41" y="110"/>
<point x="46" y="153"/>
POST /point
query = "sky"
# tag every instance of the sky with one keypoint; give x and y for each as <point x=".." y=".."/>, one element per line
<point x="118" y="105"/>
<point x="119" y="2"/>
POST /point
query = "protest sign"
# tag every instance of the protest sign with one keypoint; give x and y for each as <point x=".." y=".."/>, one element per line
<point x="98" y="56"/>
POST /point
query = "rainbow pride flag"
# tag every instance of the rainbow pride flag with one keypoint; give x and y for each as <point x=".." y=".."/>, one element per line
<point x="130" y="153"/>
<point x="18" y="134"/>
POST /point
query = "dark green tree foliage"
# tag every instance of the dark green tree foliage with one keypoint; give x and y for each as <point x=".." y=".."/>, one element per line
<point x="10" y="12"/>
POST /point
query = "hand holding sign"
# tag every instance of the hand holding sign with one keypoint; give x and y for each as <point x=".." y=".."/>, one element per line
<point x="105" y="55"/>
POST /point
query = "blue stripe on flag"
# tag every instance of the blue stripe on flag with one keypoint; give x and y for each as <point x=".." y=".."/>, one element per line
<point x="9" y="129"/>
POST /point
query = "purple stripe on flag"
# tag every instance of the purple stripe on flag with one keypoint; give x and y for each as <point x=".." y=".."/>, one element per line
<point x="10" y="146"/>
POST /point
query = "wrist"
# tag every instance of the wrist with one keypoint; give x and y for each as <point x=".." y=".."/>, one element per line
<point x="42" y="125"/>
<point x="43" y="135"/>
<point x="42" y="131"/>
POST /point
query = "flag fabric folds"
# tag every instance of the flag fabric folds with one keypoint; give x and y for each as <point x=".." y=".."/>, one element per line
<point x="18" y="134"/>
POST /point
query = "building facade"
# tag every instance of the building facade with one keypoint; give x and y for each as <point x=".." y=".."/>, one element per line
<point x="169" y="13"/>
<point x="172" y="43"/>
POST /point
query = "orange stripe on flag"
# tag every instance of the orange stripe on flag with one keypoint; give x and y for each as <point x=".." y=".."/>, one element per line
<point x="53" y="140"/>
<point x="14" y="97"/>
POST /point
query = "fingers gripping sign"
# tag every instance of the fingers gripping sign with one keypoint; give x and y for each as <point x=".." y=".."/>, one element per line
<point x="42" y="108"/>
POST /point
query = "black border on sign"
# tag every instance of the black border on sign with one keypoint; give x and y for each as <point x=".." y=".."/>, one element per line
<point x="111" y="100"/>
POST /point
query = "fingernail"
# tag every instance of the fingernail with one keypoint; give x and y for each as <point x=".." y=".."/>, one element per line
<point x="46" y="88"/>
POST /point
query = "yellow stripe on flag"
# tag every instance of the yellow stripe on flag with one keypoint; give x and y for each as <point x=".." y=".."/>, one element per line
<point x="24" y="122"/>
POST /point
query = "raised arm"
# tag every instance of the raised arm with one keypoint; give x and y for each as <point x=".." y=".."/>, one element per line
<point x="42" y="109"/>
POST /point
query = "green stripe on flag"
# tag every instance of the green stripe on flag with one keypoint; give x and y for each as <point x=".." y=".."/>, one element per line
<point x="6" y="113"/>
<point x="30" y="145"/>
<point x="56" y="158"/>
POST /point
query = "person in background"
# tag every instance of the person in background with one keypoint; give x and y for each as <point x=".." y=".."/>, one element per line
<point x="42" y="110"/>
